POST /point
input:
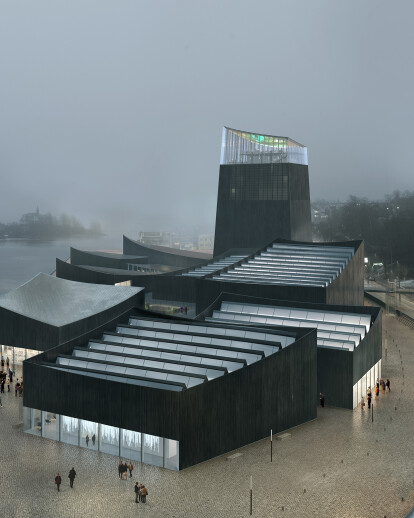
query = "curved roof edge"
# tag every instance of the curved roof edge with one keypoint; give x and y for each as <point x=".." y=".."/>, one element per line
<point x="167" y="250"/>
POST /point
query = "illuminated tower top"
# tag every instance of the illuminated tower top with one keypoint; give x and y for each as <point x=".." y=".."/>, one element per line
<point x="241" y="147"/>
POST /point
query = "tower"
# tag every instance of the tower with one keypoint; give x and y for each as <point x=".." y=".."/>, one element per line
<point x="263" y="191"/>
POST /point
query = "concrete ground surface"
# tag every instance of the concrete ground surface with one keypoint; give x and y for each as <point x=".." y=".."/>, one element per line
<point x="340" y="465"/>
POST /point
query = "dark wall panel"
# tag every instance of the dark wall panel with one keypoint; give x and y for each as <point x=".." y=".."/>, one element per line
<point x="19" y="331"/>
<point x="242" y="407"/>
<point x="246" y="219"/>
<point x="81" y="257"/>
<point x="335" y="377"/>
<point x="348" y="288"/>
<point x="369" y="351"/>
<point x="126" y="406"/>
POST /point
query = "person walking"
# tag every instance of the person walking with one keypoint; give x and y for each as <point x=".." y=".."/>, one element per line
<point x="93" y="439"/>
<point x="87" y="440"/>
<point x="72" y="475"/>
<point x="8" y="384"/>
<point x="388" y="385"/>
<point x="136" y="490"/>
<point x="16" y="387"/>
<point x="21" y="390"/>
<point x="369" y="397"/>
<point x="120" y="469"/>
<point x="58" y="481"/>
<point x="11" y="373"/>
<point x="125" y="471"/>
<point x="130" y="467"/>
<point x="7" y="362"/>
<point x="322" y="399"/>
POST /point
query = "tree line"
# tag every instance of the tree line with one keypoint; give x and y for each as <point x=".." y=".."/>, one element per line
<point x="386" y="226"/>
<point x="34" y="225"/>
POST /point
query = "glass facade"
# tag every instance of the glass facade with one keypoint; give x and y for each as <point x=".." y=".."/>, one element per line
<point x="242" y="147"/>
<point x="17" y="355"/>
<point x="126" y="444"/>
<point x="367" y="381"/>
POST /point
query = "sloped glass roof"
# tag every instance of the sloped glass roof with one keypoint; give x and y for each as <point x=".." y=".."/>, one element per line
<point x="291" y="264"/>
<point x="171" y="354"/>
<point x="335" y="329"/>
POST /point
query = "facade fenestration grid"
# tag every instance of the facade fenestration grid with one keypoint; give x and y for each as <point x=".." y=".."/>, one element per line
<point x="254" y="183"/>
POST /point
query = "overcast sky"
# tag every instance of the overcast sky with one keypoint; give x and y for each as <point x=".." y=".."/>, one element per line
<point x="113" y="110"/>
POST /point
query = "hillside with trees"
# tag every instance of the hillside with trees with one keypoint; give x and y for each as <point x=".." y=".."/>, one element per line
<point x="35" y="225"/>
<point x="387" y="228"/>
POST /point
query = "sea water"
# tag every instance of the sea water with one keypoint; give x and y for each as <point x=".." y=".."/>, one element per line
<point x="21" y="260"/>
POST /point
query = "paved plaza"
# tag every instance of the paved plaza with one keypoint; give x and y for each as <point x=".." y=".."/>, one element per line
<point x="340" y="465"/>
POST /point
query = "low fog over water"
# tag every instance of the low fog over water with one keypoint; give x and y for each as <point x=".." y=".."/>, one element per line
<point x="112" y="111"/>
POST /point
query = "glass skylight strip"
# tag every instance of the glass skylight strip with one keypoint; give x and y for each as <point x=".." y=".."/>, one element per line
<point x="188" y="380"/>
<point x="264" y="281"/>
<point x="205" y="351"/>
<point x="230" y="364"/>
<point x="159" y="364"/>
<point x="270" y="311"/>
<point x="335" y="249"/>
<point x="333" y="317"/>
<point x="341" y="344"/>
<point x="185" y="328"/>
<point x="302" y="322"/>
<point x="281" y="274"/>
<point x="280" y="311"/>
<point x="207" y="347"/>
<point x="311" y="268"/>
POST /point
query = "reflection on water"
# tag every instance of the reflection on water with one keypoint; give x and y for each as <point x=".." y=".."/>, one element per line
<point x="21" y="260"/>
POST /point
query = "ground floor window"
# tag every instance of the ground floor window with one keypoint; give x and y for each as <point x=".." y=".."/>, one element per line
<point x="126" y="444"/>
<point x="16" y="355"/>
<point x="367" y="381"/>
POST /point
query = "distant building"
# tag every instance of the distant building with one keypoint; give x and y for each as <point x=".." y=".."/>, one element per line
<point x="263" y="191"/>
<point x="155" y="238"/>
<point x="206" y="241"/>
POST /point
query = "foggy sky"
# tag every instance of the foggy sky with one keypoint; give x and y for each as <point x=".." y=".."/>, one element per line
<point x="113" y="111"/>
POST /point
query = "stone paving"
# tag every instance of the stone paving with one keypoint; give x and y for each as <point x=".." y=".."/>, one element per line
<point x="340" y="465"/>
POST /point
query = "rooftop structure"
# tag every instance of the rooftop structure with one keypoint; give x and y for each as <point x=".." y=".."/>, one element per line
<point x="263" y="191"/>
<point x="214" y="266"/>
<point x="292" y="264"/>
<point x="47" y="310"/>
<point x="348" y="338"/>
<point x="242" y="147"/>
<point x="335" y="329"/>
<point x="183" y="378"/>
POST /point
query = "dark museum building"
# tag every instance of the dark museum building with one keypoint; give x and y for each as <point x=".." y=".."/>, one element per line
<point x="263" y="191"/>
<point x="277" y="319"/>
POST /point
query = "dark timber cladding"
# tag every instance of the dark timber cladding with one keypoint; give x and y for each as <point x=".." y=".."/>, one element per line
<point x="254" y="380"/>
<point x="349" y="337"/>
<point x="263" y="191"/>
<point x="104" y="259"/>
<point x="47" y="311"/>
